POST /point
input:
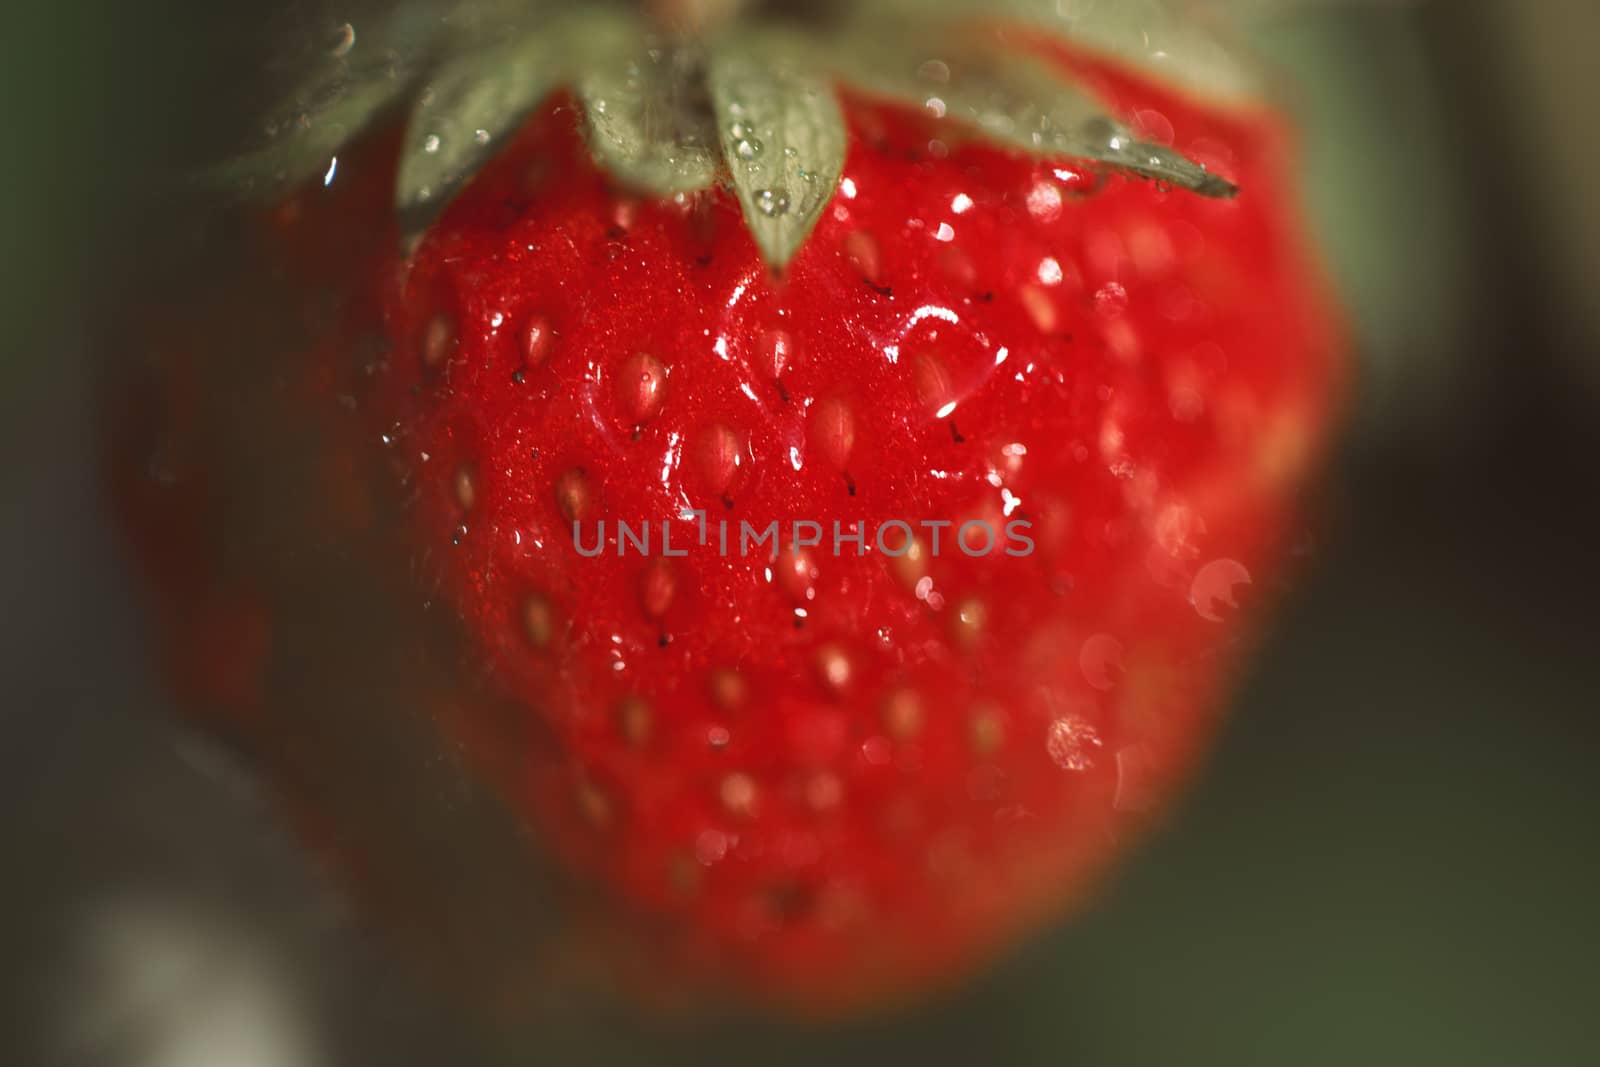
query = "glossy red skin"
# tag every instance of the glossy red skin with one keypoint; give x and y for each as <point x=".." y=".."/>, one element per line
<point x="1168" y="380"/>
<point x="1166" y="430"/>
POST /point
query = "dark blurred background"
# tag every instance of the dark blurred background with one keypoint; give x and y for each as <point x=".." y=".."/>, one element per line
<point x="1392" y="858"/>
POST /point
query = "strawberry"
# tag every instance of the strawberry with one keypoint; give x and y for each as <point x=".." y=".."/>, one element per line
<point x="857" y="498"/>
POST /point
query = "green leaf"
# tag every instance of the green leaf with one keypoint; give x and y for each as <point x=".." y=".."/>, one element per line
<point x="1011" y="99"/>
<point x="466" y="107"/>
<point x="308" y="131"/>
<point x="783" y="137"/>
<point x="649" y="122"/>
<point x="1179" y="41"/>
<point x="339" y="88"/>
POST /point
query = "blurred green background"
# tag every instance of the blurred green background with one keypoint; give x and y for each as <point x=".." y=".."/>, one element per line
<point x="1392" y="859"/>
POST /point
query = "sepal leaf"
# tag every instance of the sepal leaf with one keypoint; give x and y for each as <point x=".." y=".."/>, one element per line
<point x="1010" y="98"/>
<point x="648" y="118"/>
<point x="783" y="137"/>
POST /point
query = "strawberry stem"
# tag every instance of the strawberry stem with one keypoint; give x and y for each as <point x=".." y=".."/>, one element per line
<point x="693" y="17"/>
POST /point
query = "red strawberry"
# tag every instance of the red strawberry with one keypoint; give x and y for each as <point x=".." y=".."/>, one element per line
<point x="831" y="770"/>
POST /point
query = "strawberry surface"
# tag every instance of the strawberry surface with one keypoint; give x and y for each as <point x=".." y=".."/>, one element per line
<point x="1043" y="425"/>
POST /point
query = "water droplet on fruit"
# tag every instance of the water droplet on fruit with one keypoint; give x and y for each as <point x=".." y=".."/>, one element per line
<point x="1111" y="299"/>
<point x="1213" y="588"/>
<point x="1175" y="532"/>
<point x="747" y="148"/>
<point x="1070" y="743"/>
<point x="710" y="847"/>
<point x="641" y="387"/>
<point x="1044" y="201"/>
<point x="772" y="202"/>
<point x="1154" y="127"/>
<point x="430" y="143"/>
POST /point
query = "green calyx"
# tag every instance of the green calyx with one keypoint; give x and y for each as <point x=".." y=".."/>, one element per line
<point x="747" y="102"/>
